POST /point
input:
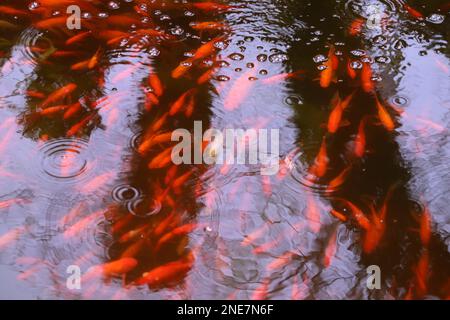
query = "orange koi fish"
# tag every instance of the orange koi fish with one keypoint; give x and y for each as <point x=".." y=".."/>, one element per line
<point x="422" y="273"/>
<point x="281" y="77"/>
<point x="93" y="62"/>
<point x="250" y="239"/>
<point x="330" y="251"/>
<point x="313" y="214"/>
<point x="80" y="125"/>
<point x="178" y="105"/>
<point x="339" y="215"/>
<point x="72" y="110"/>
<point x="425" y="227"/>
<point x="209" y="25"/>
<point x="320" y="166"/>
<point x="280" y="262"/>
<point x="211" y="6"/>
<point x="156" y="84"/>
<point x="262" y="292"/>
<point x="134" y="249"/>
<point x="162" y="160"/>
<point x="96" y="182"/>
<point x="206" y="76"/>
<point x="335" y="117"/>
<point x="356" y="27"/>
<point x="35" y="94"/>
<point x="81" y="225"/>
<point x="413" y="12"/>
<point x="177" y="232"/>
<point x="52" y="110"/>
<point x="358" y="215"/>
<point x="59" y="94"/>
<point x="179" y="182"/>
<point x="78" y="38"/>
<point x="327" y="75"/>
<point x="360" y="140"/>
<point x="147" y="144"/>
<point x="114" y="268"/>
<point x="207" y="49"/>
<point x="339" y="180"/>
<point x="384" y="116"/>
<point x="366" y="78"/>
<point x="182" y="69"/>
<point x="133" y="234"/>
<point x="12" y="11"/>
<point x="80" y="66"/>
<point x="52" y="23"/>
<point x="239" y="90"/>
<point x="170" y="272"/>
<point x="10" y="236"/>
<point x="350" y="71"/>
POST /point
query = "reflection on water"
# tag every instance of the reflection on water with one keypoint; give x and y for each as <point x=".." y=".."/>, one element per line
<point x="359" y="92"/>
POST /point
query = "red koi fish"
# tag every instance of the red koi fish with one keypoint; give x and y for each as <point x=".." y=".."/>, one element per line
<point x="425" y="227"/>
<point x="115" y="268"/>
<point x="339" y="180"/>
<point x="170" y="272"/>
<point x="342" y="217"/>
<point x="313" y="214"/>
<point x="56" y="22"/>
<point x="240" y="90"/>
<point x="178" y="105"/>
<point x="327" y="75"/>
<point x="262" y="292"/>
<point x="59" y="94"/>
<point x="384" y="116"/>
<point x="360" y="140"/>
<point x="177" y="232"/>
<point x="280" y="262"/>
<point x="366" y="78"/>
<point x="422" y="273"/>
<point x="10" y="237"/>
<point x="330" y="251"/>
<point x="358" y="215"/>
<point x="335" y="117"/>
<point x="72" y="110"/>
<point x="162" y="160"/>
<point x="150" y="142"/>
<point x="12" y="11"/>
<point x="208" y="26"/>
<point x="282" y="77"/>
<point x="320" y="166"/>
<point x="211" y="6"/>
<point x="413" y="12"/>
<point x="356" y="27"/>
<point x="78" y="38"/>
<point x="81" y="225"/>
<point x="156" y="84"/>
<point x="182" y="69"/>
<point x="350" y="71"/>
<point x="76" y="128"/>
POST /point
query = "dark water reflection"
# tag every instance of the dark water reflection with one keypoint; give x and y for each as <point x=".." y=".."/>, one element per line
<point x="82" y="186"/>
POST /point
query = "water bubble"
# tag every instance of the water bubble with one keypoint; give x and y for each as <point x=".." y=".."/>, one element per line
<point x="278" y="58"/>
<point x="221" y="45"/>
<point x="358" y="53"/>
<point x="379" y="39"/>
<point x="320" y="58"/>
<point x="400" y="44"/>
<point x="33" y="5"/>
<point x="400" y="101"/>
<point x="223" y="78"/>
<point x="262" y="57"/>
<point x="113" y="5"/>
<point x="250" y="65"/>
<point x="357" y="65"/>
<point x="382" y="59"/>
<point x="293" y="100"/>
<point x="436" y="18"/>
<point x="103" y="15"/>
<point x="124" y="193"/>
<point x="144" y="207"/>
<point x="236" y="56"/>
<point x="263" y="72"/>
<point x="177" y="31"/>
<point x="154" y="52"/>
<point x="65" y="159"/>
